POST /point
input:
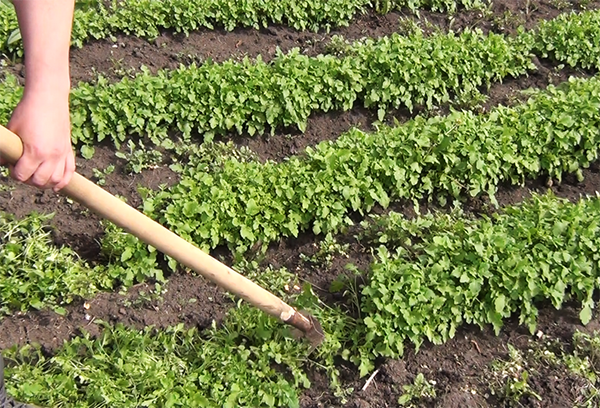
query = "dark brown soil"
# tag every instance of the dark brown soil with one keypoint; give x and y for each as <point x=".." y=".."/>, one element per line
<point x="74" y="225"/>
<point x="185" y="299"/>
<point x="328" y="126"/>
<point x="124" y="55"/>
<point x="456" y="367"/>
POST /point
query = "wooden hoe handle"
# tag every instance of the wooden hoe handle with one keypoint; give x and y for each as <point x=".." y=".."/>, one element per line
<point x="108" y="206"/>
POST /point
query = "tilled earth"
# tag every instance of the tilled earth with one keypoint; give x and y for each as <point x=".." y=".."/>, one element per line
<point x="458" y="367"/>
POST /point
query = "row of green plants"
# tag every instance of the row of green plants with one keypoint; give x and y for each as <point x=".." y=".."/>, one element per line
<point x="430" y="275"/>
<point x="36" y="274"/>
<point x="249" y="360"/>
<point x="95" y="19"/>
<point x="438" y="272"/>
<point x="240" y="202"/>
<point x="570" y="40"/>
<point x="254" y="97"/>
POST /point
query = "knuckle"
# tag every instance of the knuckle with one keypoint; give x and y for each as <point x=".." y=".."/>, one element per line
<point x="37" y="181"/>
<point x="19" y="176"/>
<point x="60" y="186"/>
<point x="54" y="153"/>
<point x="40" y="154"/>
<point x="40" y="178"/>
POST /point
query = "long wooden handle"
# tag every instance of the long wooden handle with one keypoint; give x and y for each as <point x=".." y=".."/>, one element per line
<point x="108" y="206"/>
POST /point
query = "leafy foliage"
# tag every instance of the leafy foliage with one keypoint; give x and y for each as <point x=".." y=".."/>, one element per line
<point x="33" y="272"/>
<point x="96" y="19"/>
<point x="439" y="158"/>
<point x="419" y="391"/>
<point x="254" y="97"/>
<point x="574" y="40"/>
<point x="138" y="158"/>
<point x="170" y="368"/>
<point x="437" y="272"/>
<point x="10" y="95"/>
<point x="431" y="274"/>
<point x="406" y="71"/>
<point x="251" y="361"/>
<point x="119" y="249"/>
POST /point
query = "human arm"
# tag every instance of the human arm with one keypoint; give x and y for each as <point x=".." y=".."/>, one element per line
<point x="41" y="119"/>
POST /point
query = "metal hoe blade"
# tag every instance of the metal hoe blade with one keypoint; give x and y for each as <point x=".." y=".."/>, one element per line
<point x="307" y="326"/>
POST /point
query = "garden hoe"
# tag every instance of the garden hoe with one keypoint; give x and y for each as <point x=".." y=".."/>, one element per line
<point x="110" y="207"/>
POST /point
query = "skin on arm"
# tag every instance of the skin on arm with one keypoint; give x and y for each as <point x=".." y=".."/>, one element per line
<point x="42" y="119"/>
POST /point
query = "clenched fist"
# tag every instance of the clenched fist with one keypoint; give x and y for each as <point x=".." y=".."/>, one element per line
<point x="43" y="124"/>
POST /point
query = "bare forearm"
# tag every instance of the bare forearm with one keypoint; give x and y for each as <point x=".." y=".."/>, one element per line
<point x="46" y="30"/>
<point x="42" y="119"/>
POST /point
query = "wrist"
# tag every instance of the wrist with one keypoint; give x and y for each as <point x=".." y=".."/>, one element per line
<point x="48" y="87"/>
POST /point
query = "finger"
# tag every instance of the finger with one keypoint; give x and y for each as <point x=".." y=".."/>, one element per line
<point x="25" y="168"/>
<point x="67" y="175"/>
<point x="42" y="175"/>
<point x="56" y="177"/>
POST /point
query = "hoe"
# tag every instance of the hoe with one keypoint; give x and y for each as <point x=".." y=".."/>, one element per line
<point x="110" y="207"/>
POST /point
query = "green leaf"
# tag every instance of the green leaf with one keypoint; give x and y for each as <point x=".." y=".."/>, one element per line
<point x="247" y="233"/>
<point x="87" y="152"/>
<point x="60" y="310"/>
<point x="14" y="37"/>
<point x="251" y="207"/>
<point x="127" y="254"/>
<point x="585" y="314"/>
<point x="500" y="304"/>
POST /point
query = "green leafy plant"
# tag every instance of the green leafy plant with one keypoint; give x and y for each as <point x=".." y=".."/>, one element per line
<point x="145" y="298"/>
<point x="570" y="40"/>
<point x="96" y="19"/>
<point x="210" y="155"/>
<point x="240" y="203"/>
<point x="175" y="367"/>
<point x="100" y="175"/>
<point x="328" y="249"/>
<point x="249" y="360"/>
<point x="36" y="274"/>
<point x="437" y="272"/>
<point x="413" y="394"/>
<point x="139" y="158"/>
<point x="33" y="272"/>
<point x="253" y="97"/>
<point x="512" y="377"/>
<point x="129" y="260"/>
<point x="9" y="31"/>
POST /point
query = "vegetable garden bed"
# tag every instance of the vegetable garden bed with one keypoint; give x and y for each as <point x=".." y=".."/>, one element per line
<point x="453" y="310"/>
